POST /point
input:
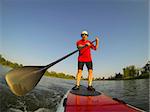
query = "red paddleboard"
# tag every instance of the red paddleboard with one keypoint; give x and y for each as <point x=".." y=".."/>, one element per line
<point x="83" y="100"/>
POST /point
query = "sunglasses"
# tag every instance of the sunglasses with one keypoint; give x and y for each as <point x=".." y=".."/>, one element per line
<point x="84" y="34"/>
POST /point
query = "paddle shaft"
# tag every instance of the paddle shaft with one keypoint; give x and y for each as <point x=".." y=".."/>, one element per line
<point x="64" y="57"/>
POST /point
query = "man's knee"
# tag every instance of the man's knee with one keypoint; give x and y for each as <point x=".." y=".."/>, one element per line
<point x="79" y="71"/>
<point x="90" y="71"/>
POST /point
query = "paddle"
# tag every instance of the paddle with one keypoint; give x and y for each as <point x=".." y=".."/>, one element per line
<point x="24" y="79"/>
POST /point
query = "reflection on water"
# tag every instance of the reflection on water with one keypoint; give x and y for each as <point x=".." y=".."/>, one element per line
<point x="48" y="93"/>
<point x="134" y="92"/>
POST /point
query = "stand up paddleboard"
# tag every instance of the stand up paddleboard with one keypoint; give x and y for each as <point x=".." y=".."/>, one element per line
<point x="83" y="100"/>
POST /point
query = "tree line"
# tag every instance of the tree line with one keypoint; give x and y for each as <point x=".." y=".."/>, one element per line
<point x="129" y="72"/>
<point x="5" y="62"/>
<point x="59" y="75"/>
<point x="132" y="72"/>
<point x="8" y="63"/>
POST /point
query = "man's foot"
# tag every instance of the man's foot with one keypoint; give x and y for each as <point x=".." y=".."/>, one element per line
<point x="90" y="88"/>
<point x="76" y="87"/>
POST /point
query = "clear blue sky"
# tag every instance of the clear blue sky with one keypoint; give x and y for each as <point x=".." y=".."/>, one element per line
<point x="37" y="32"/>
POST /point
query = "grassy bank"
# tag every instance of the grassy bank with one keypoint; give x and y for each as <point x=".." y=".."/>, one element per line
<point x="10" y="64"/>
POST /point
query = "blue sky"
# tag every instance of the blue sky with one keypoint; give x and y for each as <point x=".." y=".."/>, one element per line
<point x="37" y="32"/>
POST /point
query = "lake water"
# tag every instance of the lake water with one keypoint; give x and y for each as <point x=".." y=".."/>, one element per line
<point x="46" y="96"/>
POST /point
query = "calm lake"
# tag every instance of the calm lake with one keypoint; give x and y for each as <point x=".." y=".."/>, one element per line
<point x="46" y="96"/>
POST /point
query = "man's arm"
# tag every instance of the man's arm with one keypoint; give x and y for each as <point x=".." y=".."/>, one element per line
<point x="97" y="42"/>
<point x="79" y="46"/>
<point x="94" y="47"/>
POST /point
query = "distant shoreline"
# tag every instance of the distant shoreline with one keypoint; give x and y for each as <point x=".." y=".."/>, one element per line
<point x="143" y="75"/>
<point x="70" y="77"/>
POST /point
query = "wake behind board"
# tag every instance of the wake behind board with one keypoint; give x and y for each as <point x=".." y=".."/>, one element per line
<point x="83" y="100"/>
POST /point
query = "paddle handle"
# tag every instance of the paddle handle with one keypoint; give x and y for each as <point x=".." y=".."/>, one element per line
<point x="64" y="57"/>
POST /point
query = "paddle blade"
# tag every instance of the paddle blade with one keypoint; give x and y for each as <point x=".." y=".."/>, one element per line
<point x="24" y="79"/>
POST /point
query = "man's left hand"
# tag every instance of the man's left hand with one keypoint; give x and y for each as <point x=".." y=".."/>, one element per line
<point x="97" y="39"/>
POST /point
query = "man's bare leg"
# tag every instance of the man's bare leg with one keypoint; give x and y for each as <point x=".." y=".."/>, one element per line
<point x="79" y="74"/>
<point x="90" y="77"/>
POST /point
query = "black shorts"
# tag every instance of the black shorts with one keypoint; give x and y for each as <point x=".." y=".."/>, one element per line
<point x="89" y="65"/>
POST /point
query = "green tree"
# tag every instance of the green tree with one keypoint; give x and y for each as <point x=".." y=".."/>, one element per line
<point x="129" y="72"/>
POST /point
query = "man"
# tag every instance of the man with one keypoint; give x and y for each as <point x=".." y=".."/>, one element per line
<point x="85" y="58"/>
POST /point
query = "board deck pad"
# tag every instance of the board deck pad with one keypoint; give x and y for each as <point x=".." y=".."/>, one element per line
<point x="83" y="91"/>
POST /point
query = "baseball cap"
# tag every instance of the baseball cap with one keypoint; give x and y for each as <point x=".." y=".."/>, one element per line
<point x="84" y="32"/>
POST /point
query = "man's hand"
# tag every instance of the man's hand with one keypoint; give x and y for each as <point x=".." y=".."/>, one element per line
<point x="97" y="39"/>
<point x="88" y="44"/>
<point x="79" y="46"/>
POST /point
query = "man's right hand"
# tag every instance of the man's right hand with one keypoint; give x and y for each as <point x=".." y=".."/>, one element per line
<point x="79" y="46"/>
<point x="88" y="44"/>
